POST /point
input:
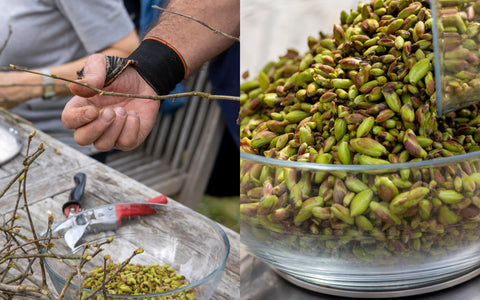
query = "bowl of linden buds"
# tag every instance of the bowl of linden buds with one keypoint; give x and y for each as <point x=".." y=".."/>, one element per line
<point x="352" y="182"/>
<point x="168" y="253"/>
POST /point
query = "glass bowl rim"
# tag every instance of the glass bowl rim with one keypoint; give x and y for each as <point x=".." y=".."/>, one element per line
<point x="218" y="269"/>
<point x="430" y="163"/>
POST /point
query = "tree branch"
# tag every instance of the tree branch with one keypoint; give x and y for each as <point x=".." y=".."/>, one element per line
<point x="107" y="93"/>
<point x="20" y="173"/>
<point x="8" y="38"/>
<point x="102" y="286"/>
<point x="23" y="290"/>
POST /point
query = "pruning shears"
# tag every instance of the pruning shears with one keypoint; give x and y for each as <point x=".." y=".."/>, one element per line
<point x="72" y="206"/>
<point x="104" y="218"/>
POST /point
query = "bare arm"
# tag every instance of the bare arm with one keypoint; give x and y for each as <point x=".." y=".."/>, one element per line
<point x="12" y="96"/>
<point x="195" y="42"/>
<point x="124" y="123"/>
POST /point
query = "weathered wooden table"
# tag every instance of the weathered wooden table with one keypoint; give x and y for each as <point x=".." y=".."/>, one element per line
<point x="50" y="180"/>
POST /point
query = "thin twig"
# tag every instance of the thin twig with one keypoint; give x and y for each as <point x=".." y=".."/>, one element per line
<point x="156" y="97"/>
<point x="8" y="38"/>
<point x="13" y="233"/>
<point x="14" y="256"/>
<point x="8" y="245"/>
<point x="126" y="262"/>
<point x="44" y="255"/>
<point x="66" y="285"/>
<point x="104" y="290"/>
<point x="17" y="203"/>
<point x="20" y="173"/>
<point x="13" y="237"/>
<point x="27" y="163"/>
<point x="26" y="206"/>
<point x="34" y="281"/>
<point x="198" y="21"/>
<point x="20" y="85"/>
<point x="13" y="279"/>
<point x="84" y="259"/>
<point x="26" y="274"/>
<point x="32" y="226"/>
<point x="23" y="290"/>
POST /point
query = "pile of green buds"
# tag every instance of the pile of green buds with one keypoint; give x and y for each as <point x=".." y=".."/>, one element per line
<point x="135" y="279"/>
<point x="364" y="95"/>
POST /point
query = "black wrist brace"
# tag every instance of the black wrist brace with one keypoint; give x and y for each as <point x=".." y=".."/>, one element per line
<point x="159" y="64"/>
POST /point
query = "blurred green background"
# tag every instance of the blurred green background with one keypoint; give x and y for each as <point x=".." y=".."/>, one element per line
<point x="224" y="210"/>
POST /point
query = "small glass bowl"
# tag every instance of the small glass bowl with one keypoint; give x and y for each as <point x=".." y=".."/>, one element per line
<point x="364" y="229"/>
<point x="190" y="243"/>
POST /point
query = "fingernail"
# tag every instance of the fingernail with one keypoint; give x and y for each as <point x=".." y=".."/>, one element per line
<point x="120" y="111"/>
<point x="107" y="115"/>
<point x="90" y="114"/>
<point x="133" y="113"/>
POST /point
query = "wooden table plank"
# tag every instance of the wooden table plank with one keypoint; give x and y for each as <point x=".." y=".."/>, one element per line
<point x="50" y="180"/>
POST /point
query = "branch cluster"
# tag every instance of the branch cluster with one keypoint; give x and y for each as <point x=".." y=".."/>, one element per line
<point x="22" y="250"/>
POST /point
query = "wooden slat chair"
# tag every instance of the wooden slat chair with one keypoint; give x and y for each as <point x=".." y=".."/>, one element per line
<point x="177" y="157"/>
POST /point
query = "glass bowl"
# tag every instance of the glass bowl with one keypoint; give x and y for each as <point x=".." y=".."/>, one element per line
<point x="190" y="243"/>
<point x="352" y="181"/>
<point x="363" y="229"/>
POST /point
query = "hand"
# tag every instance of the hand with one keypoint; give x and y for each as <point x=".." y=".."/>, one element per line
<point x="107" y="121"/>
<point x="18" y="87"/>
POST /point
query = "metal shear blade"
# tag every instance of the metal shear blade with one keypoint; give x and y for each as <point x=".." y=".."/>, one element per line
<point x="73" y="235"/>
<point x="90" y="220"/>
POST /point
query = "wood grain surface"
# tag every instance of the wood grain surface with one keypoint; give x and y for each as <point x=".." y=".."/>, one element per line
<point x="50" y="180"/>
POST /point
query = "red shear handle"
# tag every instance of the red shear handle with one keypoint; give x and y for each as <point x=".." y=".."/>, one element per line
<point x="135" y="210"/>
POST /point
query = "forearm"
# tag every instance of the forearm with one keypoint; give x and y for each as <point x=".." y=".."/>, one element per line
<point x="158" y="69"/>
<point x="195" y="42"/>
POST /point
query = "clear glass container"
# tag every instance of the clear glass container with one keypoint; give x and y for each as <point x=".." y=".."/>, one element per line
<point x="190" y="243"/>
<point x="351" y="178"/>
<point x="363" y="228"/>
